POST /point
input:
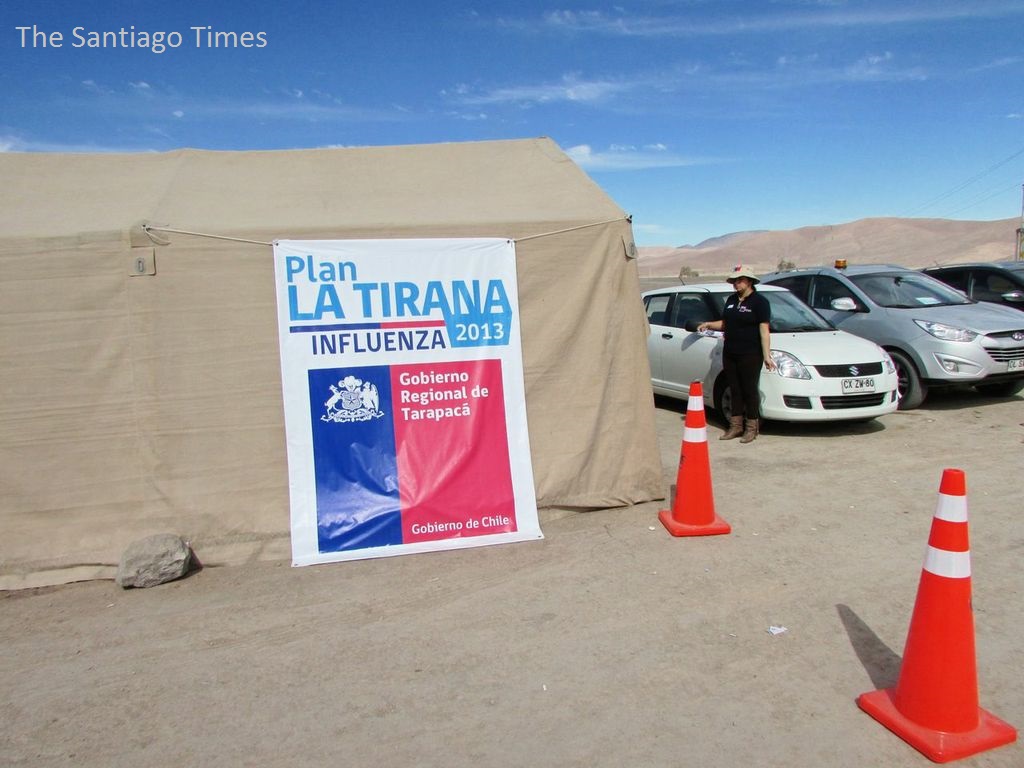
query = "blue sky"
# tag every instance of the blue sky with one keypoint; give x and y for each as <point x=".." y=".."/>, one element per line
<point x="699" y="117"/>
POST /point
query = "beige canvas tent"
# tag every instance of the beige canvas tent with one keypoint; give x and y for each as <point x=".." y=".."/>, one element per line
<point x="141" y="379"/>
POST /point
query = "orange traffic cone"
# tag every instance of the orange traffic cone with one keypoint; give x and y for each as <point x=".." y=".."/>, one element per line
<point x="934" y="706"/>
<point x="693" y="511"/>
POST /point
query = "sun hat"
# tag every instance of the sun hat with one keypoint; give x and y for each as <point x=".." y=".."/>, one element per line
<point x="741" y="270"/>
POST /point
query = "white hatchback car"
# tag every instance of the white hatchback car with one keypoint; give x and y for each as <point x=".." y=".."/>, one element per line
<point x="822" y="373"/>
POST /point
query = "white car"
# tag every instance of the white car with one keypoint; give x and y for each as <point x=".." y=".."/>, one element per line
<point x="822" y="374"/>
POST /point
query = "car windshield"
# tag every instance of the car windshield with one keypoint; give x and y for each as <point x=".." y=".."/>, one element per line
<point x="908" y="289"/>
<point x="789" y="314"/>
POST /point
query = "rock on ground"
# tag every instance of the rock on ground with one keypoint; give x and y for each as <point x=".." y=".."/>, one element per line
<point x="154" y="560"/>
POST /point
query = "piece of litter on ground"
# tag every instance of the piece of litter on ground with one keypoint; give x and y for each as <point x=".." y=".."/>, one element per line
<point x="773" y="630"/>
<point x="651" y="528"/>
<point x="544" y="687"/>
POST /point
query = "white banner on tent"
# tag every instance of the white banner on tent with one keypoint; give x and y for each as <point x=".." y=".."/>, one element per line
<point x="405" y="410"/>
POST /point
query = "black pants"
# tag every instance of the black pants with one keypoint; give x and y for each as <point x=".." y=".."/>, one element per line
<point x="742" y="372"/>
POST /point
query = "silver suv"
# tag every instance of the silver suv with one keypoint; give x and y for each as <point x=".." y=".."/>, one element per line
<point x="935" y="335"/>
<point x="1001" y="282"/>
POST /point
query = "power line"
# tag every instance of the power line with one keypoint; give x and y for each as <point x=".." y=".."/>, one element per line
<point x="978" y="201"/>
<point x="965" y="184"/>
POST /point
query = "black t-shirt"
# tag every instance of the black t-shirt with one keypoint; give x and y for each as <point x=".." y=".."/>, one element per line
<point x="740" y="321"/>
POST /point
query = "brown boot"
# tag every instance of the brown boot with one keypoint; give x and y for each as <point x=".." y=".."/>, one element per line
<point x="735" y="428"/>
<point x="750" y="432"/>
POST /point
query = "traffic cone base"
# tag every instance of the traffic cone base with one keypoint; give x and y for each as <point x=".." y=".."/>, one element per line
<point x="938" y="746"/>
<point x="716" y="526"/>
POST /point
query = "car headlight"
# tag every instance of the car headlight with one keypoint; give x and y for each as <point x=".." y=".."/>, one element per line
<point x="947" y="332"/>
<point x="887" y="363"/>
<point x="788" y="366"/>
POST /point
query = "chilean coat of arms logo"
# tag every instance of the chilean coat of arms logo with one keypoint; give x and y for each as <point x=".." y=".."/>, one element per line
<point x="352" y="400"/>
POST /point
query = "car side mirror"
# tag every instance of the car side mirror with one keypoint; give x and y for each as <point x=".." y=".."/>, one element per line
<point x="1015" y="296"/>
<point x="844" y="304"/>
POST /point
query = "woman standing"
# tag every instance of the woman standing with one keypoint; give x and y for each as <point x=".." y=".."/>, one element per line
<point x="746" y="348"/>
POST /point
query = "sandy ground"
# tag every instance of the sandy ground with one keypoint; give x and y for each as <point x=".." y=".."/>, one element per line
<point x="609" y="643"/>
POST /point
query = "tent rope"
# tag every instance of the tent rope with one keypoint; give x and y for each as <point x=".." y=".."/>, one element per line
<point x="149" y="229"/>
<point x="573" y="229"/>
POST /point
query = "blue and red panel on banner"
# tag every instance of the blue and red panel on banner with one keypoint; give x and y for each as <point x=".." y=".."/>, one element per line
<point x="410" y="453"/>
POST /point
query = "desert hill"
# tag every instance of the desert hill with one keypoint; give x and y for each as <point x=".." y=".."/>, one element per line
<point x="908" y="242"/>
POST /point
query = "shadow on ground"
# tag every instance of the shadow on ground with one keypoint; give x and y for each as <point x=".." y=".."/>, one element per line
<point x="880" y="661"/>
<point x="962" y="397"/>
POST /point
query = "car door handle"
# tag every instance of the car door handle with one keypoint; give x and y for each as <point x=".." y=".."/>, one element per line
<point x="666" y="335"/>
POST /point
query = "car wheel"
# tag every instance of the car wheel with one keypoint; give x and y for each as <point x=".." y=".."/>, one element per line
<point x="910" y="389"/>
<point x="1001" y="389"/>
<point x="723" y="399"/>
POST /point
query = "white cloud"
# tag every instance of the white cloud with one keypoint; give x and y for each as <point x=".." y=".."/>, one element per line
<point x="92" y="86"/>
<point x="1006" y="61"/>
<point x="797" y="61"/>
<point x="288" y="104"/>
<point x="627" y="158"/>
<point x="571" y="89"/>
<point x="291" y="110"/>
<point x="471" y="117"/>
<point x="648" y="90"/>
<point x="18" y="144"/>
<point x="653" y="229"/>
<point x="829" y="15"/>
<point x="879" y="67"/>
<point x="803" y="71"/>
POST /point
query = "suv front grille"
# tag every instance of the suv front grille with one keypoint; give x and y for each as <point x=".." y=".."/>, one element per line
<point x="1006" y="354"/>
<point x="847" y="370"/>
<point x="838" y="402"/>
